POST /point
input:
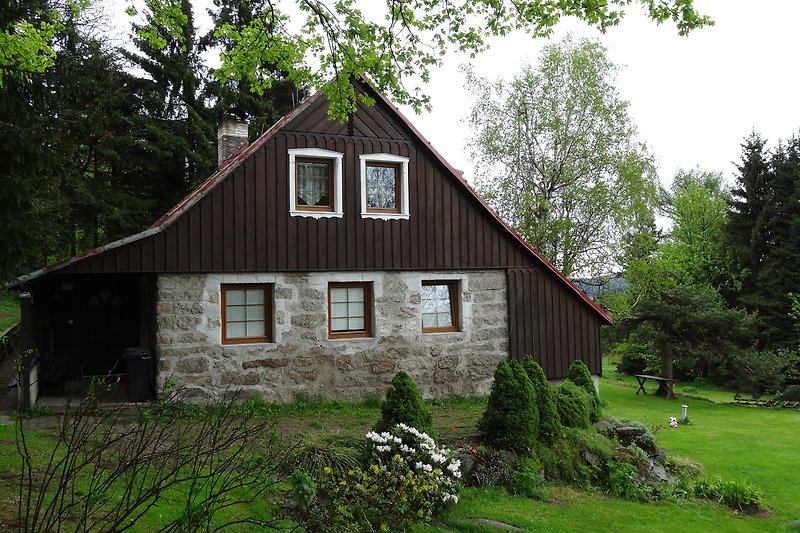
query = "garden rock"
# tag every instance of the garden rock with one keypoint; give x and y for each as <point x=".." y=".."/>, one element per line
<point x="628" y="435"/>
<point x="497" y="525"/>
<point x="467" y="463"/>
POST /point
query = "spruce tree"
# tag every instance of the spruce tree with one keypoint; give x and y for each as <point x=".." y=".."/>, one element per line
<point x="762" y="233"/>
<point x="578" y="374"/>
<point x="508" y="422"/>
<point x="404" y="404"/>
<point x="549" y="423"/>
<point x="237" y="96"/>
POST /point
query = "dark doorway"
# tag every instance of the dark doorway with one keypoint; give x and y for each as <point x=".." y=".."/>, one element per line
<point x="111" y="323"/>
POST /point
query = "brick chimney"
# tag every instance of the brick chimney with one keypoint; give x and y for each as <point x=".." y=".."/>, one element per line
<point x="231" y="135"/>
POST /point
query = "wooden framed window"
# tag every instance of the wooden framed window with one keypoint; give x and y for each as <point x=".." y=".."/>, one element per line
<point x="246" y="313"/>
<point x="349" y="310"/>
<point x="383" y="187"/>
<point x="314" y="184"/>
<point x="440" y="306"/>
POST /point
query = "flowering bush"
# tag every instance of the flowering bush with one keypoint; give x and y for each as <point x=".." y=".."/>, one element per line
<point x="409" y="480"/>
<point x="407" y="448"/>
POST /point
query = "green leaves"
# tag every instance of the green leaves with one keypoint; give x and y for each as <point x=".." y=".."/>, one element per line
<point x="557" y="156"/>
<point x="397" y="41"/>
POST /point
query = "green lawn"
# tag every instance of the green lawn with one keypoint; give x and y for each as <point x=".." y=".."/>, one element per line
<point x="749" y="444"/>
<point x="9" y="310"/>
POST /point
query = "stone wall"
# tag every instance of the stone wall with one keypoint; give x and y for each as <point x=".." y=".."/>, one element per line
<point x="304" y="361"/>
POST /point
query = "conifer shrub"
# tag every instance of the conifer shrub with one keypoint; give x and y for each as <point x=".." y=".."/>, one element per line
<point x="549" y="422"/>
<point x="572" y="404"/>
<point x="510" y="419"/>
<point x="579" y="374"/>
<point x="404" y="404"/>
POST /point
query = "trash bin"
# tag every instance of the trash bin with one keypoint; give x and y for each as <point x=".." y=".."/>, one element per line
<point x="139" y="367"/>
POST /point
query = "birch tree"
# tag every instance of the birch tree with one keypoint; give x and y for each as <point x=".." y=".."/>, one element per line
<point x="557" y="156"/>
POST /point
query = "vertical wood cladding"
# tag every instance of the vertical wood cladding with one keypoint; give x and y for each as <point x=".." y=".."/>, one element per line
<point x="548" y="323"/>
<point x="243" y="224"/>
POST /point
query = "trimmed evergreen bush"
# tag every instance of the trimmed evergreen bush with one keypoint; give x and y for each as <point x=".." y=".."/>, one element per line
<point x="572" y="404"/>
<point x="549" y="422"/>
<point x="580" y="376"/>
<point x="509" y="421"/>
<point x="404" y="404"/>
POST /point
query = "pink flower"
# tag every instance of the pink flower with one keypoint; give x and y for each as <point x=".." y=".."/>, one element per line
<point x="473" y="451"/>
<point x="452" y="428"/>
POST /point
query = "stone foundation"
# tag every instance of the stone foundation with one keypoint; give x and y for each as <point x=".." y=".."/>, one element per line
<point x="303" y="361"/>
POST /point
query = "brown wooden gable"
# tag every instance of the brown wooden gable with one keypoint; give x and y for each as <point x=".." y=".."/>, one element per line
<point x="243" y="224"/>
<point x="374" y="122"/>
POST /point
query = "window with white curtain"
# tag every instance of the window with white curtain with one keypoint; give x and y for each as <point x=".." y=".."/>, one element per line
<point x="315" y="183"/>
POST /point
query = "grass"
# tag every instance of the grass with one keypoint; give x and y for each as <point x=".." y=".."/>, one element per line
<point x="749" y="444"/>
<point x="9" y="310"/>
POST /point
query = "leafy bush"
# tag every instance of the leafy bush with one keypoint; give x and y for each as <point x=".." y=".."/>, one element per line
<point x="579" y="374"/>
<point x="510" y="419"/>
<point x="734" y="494"/>
<point x="791" y="394"/>
<point x="549" y="422"/>
<point x="409" y="480"/>
<point x="621" y="480"/>
<point x="526" y="481"/>
<point x="572" y="404"/>
<point x="490" y="469"/>
<point x="634" y="358"/>
<point x="766" y="370"/>
<point x="404" y="405"/>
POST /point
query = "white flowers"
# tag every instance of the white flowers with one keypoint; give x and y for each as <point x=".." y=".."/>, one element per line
<point x="383" y="438"/>
<point x="406" y="445"/>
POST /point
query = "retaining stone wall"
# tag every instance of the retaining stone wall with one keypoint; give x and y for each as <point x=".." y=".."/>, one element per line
<point x="304" y="361"/>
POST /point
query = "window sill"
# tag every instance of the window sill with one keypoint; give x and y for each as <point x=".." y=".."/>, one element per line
<point x="228" y="344"/>
<point x="316" y="214"/>
<point x="351" y="339"/>
<point x="386" y="216"/>
<point x="457" y="333"/>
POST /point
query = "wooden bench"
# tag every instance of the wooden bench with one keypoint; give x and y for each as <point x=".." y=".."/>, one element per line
<point x="667" y="383"/>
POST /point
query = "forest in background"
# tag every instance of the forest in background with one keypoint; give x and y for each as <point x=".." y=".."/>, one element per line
<point x="103" y="142"/>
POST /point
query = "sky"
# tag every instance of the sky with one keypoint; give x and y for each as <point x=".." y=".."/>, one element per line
<point x="694" y="99"/>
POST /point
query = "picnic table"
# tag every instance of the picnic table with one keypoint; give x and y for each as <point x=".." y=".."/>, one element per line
<point x="667" y="383"/>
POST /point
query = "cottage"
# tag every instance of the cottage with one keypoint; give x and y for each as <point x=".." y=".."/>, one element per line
<point x="318" y="260"/>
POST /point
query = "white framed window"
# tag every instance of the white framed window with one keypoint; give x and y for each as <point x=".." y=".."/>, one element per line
<point x="384" y="186"/>
<point x="315" y="183"/>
